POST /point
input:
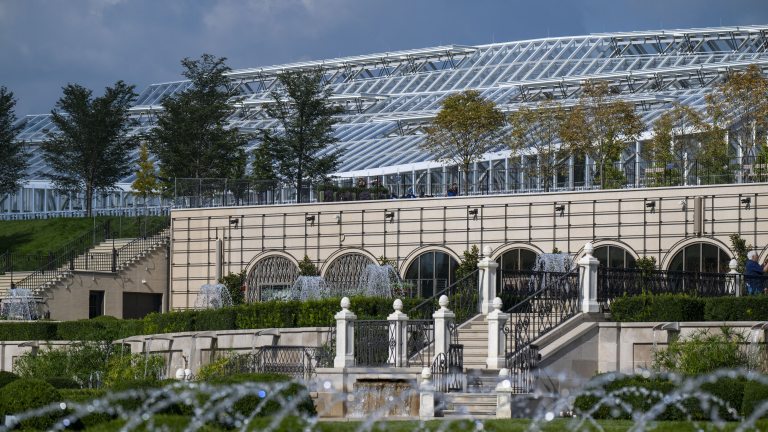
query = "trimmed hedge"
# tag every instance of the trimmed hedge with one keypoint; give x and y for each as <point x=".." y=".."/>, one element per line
<point x="278" y="314"/>
<point x="755" y="394"/>
<point x="25" y="394"/>
<point x="681" y="307"/>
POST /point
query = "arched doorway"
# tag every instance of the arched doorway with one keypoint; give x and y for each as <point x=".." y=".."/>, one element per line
<point x="271" y="277"/>
<point x="613" y="256"/>
<point x="429" y="273"/>
<point x="700" y="257"/>
<point x="343" y="274"/>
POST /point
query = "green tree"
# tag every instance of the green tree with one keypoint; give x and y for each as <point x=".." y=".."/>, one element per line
<point x="234" y="283"/>
<point x="307" y="267"/>
<point x="263" y="172"/>
<point x="302" y="143"/>
<point x="673" y="141"/>
<point x="741" y="248"/>
<point x="600" y="127"/>
<point x="468" y="262"/>
<point x="191" y="139"/>
<point x="466" y="127"/>
<point x="91" y="150"/>
<point x="13" y="157"/>
<point x="146" y="180"/>
<point x="536" y="132"/>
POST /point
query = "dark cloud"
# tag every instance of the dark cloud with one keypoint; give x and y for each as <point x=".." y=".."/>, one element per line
<point x="45" y="44"/>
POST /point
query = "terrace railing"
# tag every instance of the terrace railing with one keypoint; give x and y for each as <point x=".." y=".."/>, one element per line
<point x="375" y="343"/>
<point x="300" y="362"/>
<point x="462" y="297"/>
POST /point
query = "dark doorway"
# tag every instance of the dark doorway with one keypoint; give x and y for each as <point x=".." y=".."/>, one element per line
<point x="137" y="305"/>
<point x="95" y="304"/>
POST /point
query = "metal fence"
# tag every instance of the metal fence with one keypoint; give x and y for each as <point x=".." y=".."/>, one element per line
<point x="374" y="343"/>
<point x="300" y="362"/>
<point x="462" y="297"/>
<point x="420" y="342"/>
<point x="618" y="282"/>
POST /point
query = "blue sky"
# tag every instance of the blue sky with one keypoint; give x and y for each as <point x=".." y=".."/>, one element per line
<point x="45" y="44"/>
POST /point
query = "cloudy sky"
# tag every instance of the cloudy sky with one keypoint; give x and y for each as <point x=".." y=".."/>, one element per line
<point x="45" y="44"/>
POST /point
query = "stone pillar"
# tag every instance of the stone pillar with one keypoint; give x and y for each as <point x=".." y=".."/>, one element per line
<point x="443" y="319"/>
<point x="398" y="327"/>
<point x="497" y="339"/>
<point x="345" y="336"/>
<point x="487" y="281"/>
<point x="734" y="279"/>
<point x="426" y="395"/>
<point x="588" y="278"/>
<point x="504" y="395"/>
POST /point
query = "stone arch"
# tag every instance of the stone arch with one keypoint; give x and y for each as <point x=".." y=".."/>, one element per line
<point x="501" y="250"/>
<point x="342" y="273"/>
<point x="608" y="257"/>
<point x="724" y="255"/>
<point x="429" y="269"/>
<point x="269" y="273"/>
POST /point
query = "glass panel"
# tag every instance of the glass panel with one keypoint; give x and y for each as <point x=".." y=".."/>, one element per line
<point x="442" y="270"/>
<point x="527" y="259"/>
<point x="427" y="266"/>
<point x="615" y="257"/>
<point x="677" y="261"/>
<point x="692" y="258"/>
<point x="631" y="261"/>
<point x="724" y="261"/>
<point x="509" y="260"/>
<point x="413" y="270"/>
<point x="710" y="255"/>
<point x="601" y="253"/>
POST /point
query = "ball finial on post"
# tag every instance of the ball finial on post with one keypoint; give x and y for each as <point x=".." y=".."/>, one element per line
<point x="487" y="251"/>
<point x="397" y="305"/>
<point x="589" y="248"/>
<point x="443" y="301"/>
<point x="345" y="303"/>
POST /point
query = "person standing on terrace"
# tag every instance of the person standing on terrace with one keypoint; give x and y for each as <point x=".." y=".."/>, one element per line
<point x="754" y="274"/>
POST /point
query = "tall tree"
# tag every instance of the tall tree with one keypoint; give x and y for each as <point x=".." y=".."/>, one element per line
<point x="600" y="127"/>
<point x="146" y="179"/>
<point x="740" y="104"/>
<point x="263" y="172"/>
<point x="466" y="127"/>
<point x="674" y="145"/>
<point x="191" y="139"/>
<point x="536" y="132"/>
<point x="92" y="149"/>
<point x="13" y="157"/>
<point x="302" y="144"/>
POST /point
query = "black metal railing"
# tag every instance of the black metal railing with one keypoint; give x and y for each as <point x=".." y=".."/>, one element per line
<point x="462" y="297"/>
<point x="374" y="343"/>
<point x="523" y="365"/>
<point x="18" y="262"/>
<point x="420" y="342"/>
<point x="516" y="285"/>
<point x="556" y="300"/>
<point x="618" y="282"/>
<point x="448" y="369"/>
<point x="299" y="362"/>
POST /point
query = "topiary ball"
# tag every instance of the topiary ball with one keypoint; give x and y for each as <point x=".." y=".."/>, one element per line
<point x="28" y="393"/>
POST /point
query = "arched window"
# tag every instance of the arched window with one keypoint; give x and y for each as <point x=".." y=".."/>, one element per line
<point x="701" y="257"/>
<point x="270" y="277"/>
<point x="430" y="272"/>
<point x="614" y="257"/>
<point x="517" y="259"/>
<point x="515" y="266"/>
<point x="343" y="274"/>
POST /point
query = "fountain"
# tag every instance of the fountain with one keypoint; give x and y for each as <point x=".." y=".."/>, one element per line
<point x="309" y="288"/>
<point x="553" y="262"/>
<point x="377" y="280"/>
<point x="213" y="297"/>
<point x="19" y="304"/>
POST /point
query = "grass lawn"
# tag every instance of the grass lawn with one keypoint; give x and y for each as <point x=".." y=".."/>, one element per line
<point x="46" y="235"/>
<point x="514" y="425"/>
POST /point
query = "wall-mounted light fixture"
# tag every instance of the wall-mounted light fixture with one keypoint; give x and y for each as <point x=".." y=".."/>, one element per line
<point x="234" y="222"/>
<point x="389" y="216"/>
<point x="651" y="206"/>
<point x="338" y="219"/>
<point x="683" y="205"/>
<point x="560" y="209"/>
<point x="473" y="213"/>
<point x="311" y="220"/>
<point x="747" y="203"/>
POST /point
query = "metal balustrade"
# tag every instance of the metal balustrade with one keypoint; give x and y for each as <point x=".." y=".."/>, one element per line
<point x="462" y="297"/>
<point x="300" y="362"/>
<point x="375" y="342"/>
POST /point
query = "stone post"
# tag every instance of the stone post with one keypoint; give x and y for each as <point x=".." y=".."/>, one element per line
<point x="504" y="395"/>
<point x="588" y="278"/>
<point x="487" y="283"/>
<point x="734" y="279"/>
<point x="398" y="327"/>
<point x="345" y="336"/>
<point x="497" y="339"/>
<point x="443" y="319"/>
<point x="426" y="395"/>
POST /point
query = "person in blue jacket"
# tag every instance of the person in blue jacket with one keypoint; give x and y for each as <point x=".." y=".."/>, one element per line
<point x="754" y="274"/>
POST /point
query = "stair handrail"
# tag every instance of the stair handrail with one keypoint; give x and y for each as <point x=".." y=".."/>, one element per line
<point x="561" y="306"/>
<point x="130" y="250"/>
<point x="63" y="256"/>
<point x="462" y="296"/>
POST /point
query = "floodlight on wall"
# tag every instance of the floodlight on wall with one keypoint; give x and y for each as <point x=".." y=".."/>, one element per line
<point x="473" y="213"/>
<point x="311" y="220"/>
<point x="747" y="203"/>
<point x="651" y="206"/>
<point x="338" y="219"/>
<point x="683" y="205"/>
<point x="560" y="209"/>
<point x="389" y="216"/>
<point x="234" y="222"/>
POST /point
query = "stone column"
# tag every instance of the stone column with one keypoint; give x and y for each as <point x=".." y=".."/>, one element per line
<point x="426" y="395"/>
<point x="398" y="327"/>
<point x="497" y="339"/>
<point x="504" y="395"/>
<point x="345" y="336"/>
<point x="734" y="279"/>
<point x="487" y="283"/>
<point x="443" y="319"/>
<point x="588" y="279"/>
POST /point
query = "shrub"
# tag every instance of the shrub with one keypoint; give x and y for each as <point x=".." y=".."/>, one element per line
<point x="234" y="283"/>
<point x="752" y="308"/>
<point x="7" y="378"/>
<point x="755" y="394"/>
<point x="26" y="394"/>
<point x="25" y="331"/>
<point x="81" y="396"/>
<point x="653" y="308"/>
<point x="105" y="329"/>
<point x="77" y="361"/>
<point x="170" y="322"/>
<point x="62" y="383"/>
<point x="704" y="352"/>
<point x="307" y="267"/>
<point x="215" y="319"/>
<point x="130" y="369"/>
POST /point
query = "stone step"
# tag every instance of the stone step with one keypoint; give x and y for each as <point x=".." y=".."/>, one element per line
<point x="469" y="404"/>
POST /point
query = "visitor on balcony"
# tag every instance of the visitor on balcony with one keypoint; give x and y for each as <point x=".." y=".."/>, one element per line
<point x="754" y="274"/>
<point x="453" y="190"/>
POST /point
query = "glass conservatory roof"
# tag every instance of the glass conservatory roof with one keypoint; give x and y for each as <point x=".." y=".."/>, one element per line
<point x="389" y="97"/>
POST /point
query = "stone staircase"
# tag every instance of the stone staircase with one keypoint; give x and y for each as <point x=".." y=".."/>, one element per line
<point x="469" y="405"/>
